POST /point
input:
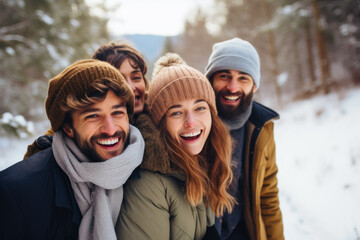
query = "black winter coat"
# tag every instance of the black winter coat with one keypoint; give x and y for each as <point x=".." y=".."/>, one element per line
<point x="37" y="201"/>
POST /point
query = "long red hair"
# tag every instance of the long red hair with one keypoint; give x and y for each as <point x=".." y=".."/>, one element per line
<point x="208" y="174"/>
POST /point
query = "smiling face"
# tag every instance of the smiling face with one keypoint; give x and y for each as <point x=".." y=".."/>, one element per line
<point x="101" y="129"/>
<point x="135" y="79"/>
<point x="234" y="91"/>
<point x="189" y="123"/>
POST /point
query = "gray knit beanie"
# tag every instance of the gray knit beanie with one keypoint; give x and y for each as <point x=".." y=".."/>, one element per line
<point x="235" y="54"/>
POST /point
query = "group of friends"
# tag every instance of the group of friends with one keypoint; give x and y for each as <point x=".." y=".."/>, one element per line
<point x="189" y="155"/>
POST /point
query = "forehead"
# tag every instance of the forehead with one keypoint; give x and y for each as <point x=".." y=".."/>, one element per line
<point x="109" y="101"/>
<point x="231" y="71"/>
<point x="187" y="102"/>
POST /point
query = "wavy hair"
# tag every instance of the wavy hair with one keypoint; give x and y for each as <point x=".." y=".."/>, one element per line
<point x="208" y="174"/>
<point x="115" y="53"/>
<point x="97" y="93"/>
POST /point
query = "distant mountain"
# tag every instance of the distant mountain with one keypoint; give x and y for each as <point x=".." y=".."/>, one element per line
<point x="150" y="46"/>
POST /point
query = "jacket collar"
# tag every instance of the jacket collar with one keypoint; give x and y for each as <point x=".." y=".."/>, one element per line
<point x="155" y="158"/>
<point x="261" y="114"/>
<point x="64" y="195"/>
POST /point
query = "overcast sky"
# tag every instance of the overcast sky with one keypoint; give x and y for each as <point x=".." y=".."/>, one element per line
<point x="159" y="17"/>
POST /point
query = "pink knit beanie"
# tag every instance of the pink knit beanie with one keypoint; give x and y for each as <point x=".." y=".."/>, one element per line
<point x="173" y="81"/>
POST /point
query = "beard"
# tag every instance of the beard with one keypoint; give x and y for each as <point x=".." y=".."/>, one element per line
<point x="229" y="113"/>
<point x="88" y="147"/>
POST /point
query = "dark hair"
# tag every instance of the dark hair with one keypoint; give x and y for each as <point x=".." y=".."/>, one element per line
<point x="116" y="52"/>
<point x="96" y="94"/>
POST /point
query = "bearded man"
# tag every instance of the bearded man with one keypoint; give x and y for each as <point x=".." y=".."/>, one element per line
<point x="234" y="72"/>
<point x="74" y="189"/>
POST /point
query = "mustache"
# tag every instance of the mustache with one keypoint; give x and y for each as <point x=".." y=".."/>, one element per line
<point x="117" y="134"/>
<point x="227" y="92"/>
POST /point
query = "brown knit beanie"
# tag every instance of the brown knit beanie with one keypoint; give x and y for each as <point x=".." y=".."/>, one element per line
<point x="76" y="80"/>
<point x="174" y="81"/>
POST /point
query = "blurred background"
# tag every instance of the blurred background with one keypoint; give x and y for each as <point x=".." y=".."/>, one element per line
<point x="310" y="55"/>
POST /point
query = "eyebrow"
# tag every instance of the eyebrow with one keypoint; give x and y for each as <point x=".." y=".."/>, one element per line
<point x="223" y="71"/>
<point x="136" y="71"/>
<point x="93" y="110"/>
<point x="179" y="105"/>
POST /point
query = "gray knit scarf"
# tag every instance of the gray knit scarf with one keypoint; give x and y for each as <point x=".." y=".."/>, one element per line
<point x="98" y="186"/>
<point x="238" y="121"/>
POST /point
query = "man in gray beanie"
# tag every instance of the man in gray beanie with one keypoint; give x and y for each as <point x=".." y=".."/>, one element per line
<point x="234" y="72"/>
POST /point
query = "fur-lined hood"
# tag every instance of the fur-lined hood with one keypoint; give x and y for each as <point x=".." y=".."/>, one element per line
<point x="156" y="157"/>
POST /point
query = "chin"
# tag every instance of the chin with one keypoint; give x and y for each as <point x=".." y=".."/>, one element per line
<point x="194" y="152"/>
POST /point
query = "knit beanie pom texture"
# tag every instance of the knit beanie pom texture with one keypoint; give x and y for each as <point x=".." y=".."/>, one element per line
<point x="76" y="81"/>
<point x="174" y="81"/>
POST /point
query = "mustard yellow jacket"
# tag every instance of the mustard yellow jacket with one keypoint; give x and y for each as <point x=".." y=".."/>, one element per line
<point x="261" y="201"/>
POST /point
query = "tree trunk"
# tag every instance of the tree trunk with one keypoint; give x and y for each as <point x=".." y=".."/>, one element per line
<point x="310" y="57"/>
<point x="299" y="84"/>
<point x="274" y="66"/>
<point x="324" y="65"/>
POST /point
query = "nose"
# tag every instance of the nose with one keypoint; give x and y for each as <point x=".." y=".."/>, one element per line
<point x="233" y="86"/>
<point x="190" y="120"/>
<point x="131" y="84"/>
<point x="108" y="126"/>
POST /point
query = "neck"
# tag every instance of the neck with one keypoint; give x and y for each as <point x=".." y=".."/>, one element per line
<point x="238" y="121"/>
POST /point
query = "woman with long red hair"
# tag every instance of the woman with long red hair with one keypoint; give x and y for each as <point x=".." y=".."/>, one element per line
<point x="175" y="195"/>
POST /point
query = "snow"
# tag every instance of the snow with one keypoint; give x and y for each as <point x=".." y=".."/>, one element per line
<point x="318" y="156"/>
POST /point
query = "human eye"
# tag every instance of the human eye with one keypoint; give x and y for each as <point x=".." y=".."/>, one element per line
<point x="91" y="116"/>
<point x="137" y="78"/>
<point x="200" y="108"/>
<point x="245" y="78"/>
<point x="174" y="113"/>
<point x="223" y="75"/>
<point x="119" y="113"/>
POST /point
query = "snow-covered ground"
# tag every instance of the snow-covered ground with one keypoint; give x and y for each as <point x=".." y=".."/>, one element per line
<point x="318" y="156"/>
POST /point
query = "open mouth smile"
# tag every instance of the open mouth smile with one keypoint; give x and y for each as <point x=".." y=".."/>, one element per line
<point x="109" y="142"/>
<point x="137" y="98"/>
<point x="231" y="98"/>
<point x="191" y="136"/>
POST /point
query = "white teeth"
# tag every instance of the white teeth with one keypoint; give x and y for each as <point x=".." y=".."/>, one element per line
<point x="193" y="134"/>
<point x="232" y="98"/>
<point x="108" y="141"/>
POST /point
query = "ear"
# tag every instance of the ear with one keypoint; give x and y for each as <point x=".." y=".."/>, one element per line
<point x="254" y="89"/>
<point x="68" y="130"/>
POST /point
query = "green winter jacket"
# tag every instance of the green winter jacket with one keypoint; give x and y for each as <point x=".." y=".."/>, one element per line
<point x="155" y="204"/>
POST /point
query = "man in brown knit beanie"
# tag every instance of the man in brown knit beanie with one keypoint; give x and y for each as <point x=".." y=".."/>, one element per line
<point x="74" y="189"/>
